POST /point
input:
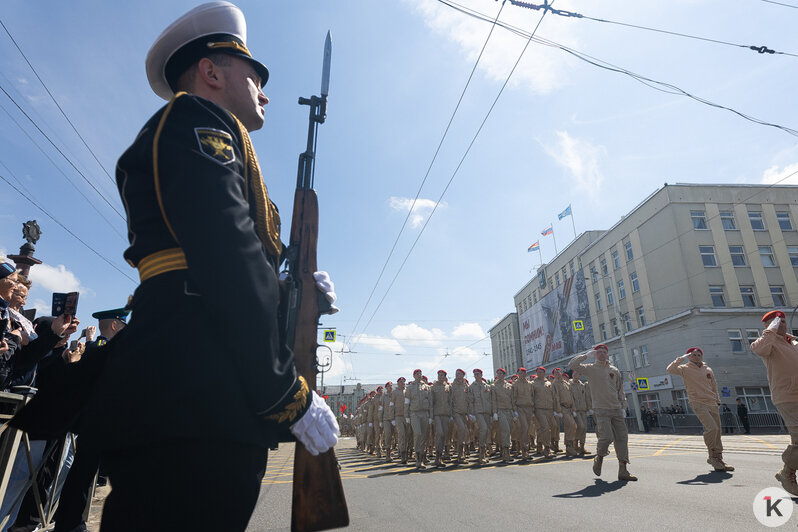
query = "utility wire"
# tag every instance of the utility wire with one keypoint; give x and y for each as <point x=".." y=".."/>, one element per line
<point x="429" y="168"/>
<point x="65" y="228"/>
<point x="57" y="104"/>
<point x="61" y="152"/>
<point x="457" y="169"/>
<point x="780" y="4"/>
<point x="654" y="84"/>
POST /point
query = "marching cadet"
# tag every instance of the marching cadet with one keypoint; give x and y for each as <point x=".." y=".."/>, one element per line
<point x="419" y="402"/>
<point x="522" y="397"/>
<point x="459" y="394"/>
<point x="609" y="404"/>
<point x="779" y="352"/>
<point x="566" y="402"/>
<point x="702" y="392"/>
<point x="401" y="416"/>
<point x="371" y="415"/>
<point x="442" y="410"/>
<point x="581" y="402"/>
<point x="388" y="421"/>
<point x="377" y="421"/>
<point x="502" y="402"/>
<point x="544" y="401"/>
<point x="480" y="409"/>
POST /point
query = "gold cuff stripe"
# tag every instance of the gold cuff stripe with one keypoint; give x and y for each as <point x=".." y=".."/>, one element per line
<point x="294" y="407"/>
<point x="230" y="44"/>
<point x="155" y="162"/>
<point x="163" y="261"/>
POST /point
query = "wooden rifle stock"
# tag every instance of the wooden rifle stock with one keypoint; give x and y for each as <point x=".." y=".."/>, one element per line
<point x="318" y="495"/>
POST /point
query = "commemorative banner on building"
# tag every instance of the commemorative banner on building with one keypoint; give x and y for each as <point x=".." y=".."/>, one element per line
<point x="558" y="325"/>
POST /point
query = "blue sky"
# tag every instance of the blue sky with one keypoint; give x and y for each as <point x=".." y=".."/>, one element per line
<point x="562" y="132"/>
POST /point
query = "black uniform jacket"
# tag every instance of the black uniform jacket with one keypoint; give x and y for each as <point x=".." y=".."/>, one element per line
<point x="202" y="356"/>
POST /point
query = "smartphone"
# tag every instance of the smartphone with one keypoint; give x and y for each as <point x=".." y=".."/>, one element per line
<point x="73" y="345"/>
<point x="82" y="334"/>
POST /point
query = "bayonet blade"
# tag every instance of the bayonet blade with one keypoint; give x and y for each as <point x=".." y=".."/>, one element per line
<point x="325" y="70"/>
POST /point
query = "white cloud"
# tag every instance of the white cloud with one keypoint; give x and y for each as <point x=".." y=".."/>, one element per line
<point x="468" y="330"/>
<point x="414" y="334"/>
<point x="581" y="159"/>
<point x="421" y="209"/>
<point x="542" y="69"/>
<point x="42" y="307"/>
<point x="774" y="174"/>
<point x="380" y="343"/>
<point x="55" y="278"/>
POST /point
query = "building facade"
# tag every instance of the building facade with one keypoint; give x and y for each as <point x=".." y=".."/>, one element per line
<point x="692" y="265"/>
<point x="505" y="342"/>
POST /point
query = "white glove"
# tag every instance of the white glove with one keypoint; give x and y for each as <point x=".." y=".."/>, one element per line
<point x="774" y="325"/>
<point x="390" y="404"/>
<point x="557" y="414"/>
<point x="574" y="413"/>
<point x="515" y="414"/>
<point x="622" y="412"/>
<point x="472" y="417"/>
<point x="317" y="429"/>
<point x="371" y="425"/>
<point x="407" y="420"/>
<point x="590" y="412"/>
<point x="393" y="422"/>
<point x="407" y="400"/>
<point x="451" y="418"/>
<point x="379" y="408"/>
<point x="495" y="417"/>
<point x="325" y="285"/>
<point x="430" y="421"/>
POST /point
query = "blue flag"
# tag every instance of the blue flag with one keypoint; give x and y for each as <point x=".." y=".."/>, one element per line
<point x="563" y="214"/>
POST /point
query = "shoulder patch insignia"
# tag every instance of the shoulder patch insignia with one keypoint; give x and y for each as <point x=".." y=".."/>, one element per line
<point x="215" y="144"/>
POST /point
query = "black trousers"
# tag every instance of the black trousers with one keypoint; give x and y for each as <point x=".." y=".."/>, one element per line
<point x="78" y="486"/>
<point x="183" y="485"/>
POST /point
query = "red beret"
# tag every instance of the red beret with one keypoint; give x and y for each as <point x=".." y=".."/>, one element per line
<point x="522" y="369"/>
<point x="601" y="346"/>
<point x="373" y="393"/>
<point x="502" y="370"/>
<point x="694" y="349"/>
<point x="540" y="368"/>
<point x="441" y="371"/>
<point x="389" y="383"/>
<point x="417" y="371"/>
<point x="773" y="314"/>
<point x="460" y="371"/>
<point x="379" y="388"/>
<point x="477" y="370"/>
<point x="551" y="377"/>
<point x="558" y="369"/>
<point x="401" y="379"/>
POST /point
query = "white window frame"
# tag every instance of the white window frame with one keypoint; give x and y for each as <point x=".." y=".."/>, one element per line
<point x="621" y="290"/>
<point x="603" y="330"/>
<point x="706" y="253"/>
<point x="757" y="221"/>
<point x="699" y="219"/>
<point x="778" y="293"/>
<point x="727" y="219"/>
<point x="718" y="291"/>
<point x="644" y="355"/>
<point x="751" y="335"/>
<point x="599" y="304"/>
<point x="767" y="256"/>
<point x="784" y="216"/>
<point x="630" y="254"/>
<point x="641" y="316"/>
<point x="736" y="340"/>
<point x="604" y="270"/>
<point x="746" y="291"/>
<point x="792" y="251"/>
<point x="635" y="282"/>
<point x="609" y="296"/>
<point x="616" y="259"/>
<point x="739" y="253"/>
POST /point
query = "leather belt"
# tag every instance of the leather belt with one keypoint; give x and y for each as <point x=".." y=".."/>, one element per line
<point x="163" y="261"/>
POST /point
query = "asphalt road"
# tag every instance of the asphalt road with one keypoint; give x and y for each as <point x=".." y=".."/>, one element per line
<point x="677" y="490"/>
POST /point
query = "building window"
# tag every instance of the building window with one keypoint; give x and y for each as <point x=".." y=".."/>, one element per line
<point x="779" y="300"/>
<point x="615" y="329"/>
<point x="708" y="256"/>
<point x="603" y="330"/>
<point x="535" y="296"/>
<point x="699" y="219"/>
<point x="629" y="253"/>
<point x="641" y="316"/>
<point x="680" y="398"/>
<point x="716" y="293"/>
<point x="784" y="221"/>
<point x="736" y="340"/>
<point x="751" y="335"/>
<point x="564" y="274"/>
<point x="756" y="398"/>
<point x="616" y="260"/>
<point x="727" y="220"/>
<point x="644" y="354"/>
<point x="627" y="320"/>
<point x="749" y="298"/>
<point x="636" y="358"/>
<point x="571" y="265"/>
<point x="594" y="273"/>
<point x="599" y="305"/>
<point x="609" y="296"/>
<point x="614" y="360"/>
<point x="766" y="252"/>
<point x="737" y="255"/>
<point x="604" y="270"/>
<point x="557" y="278"/>
<point x="635" y="283"/>
<point x="757" y="223"/>
<point x="650" y="401"/>
<point x="793" y="252"/>
<point x="621" y="291"/>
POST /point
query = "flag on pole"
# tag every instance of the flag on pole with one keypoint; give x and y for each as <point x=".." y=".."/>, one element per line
<point x="566" y="212"/>
<point x="534" y="247"/>
<point x="548" y="231"/>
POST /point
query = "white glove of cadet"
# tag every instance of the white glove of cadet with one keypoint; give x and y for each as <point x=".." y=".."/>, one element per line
<point x="393" y="422"/>
<point x="390" y="404"/>
<point x="317" y="429"/>
<point x="407" y="400"/>
<point x="407" y="420"/>
<point x="430" y="421"/>
<point x="515" y="414"/>
<point x="774" y="325"/>
<point x="574" y="413"/>
<point x="590" y="412"/>
<point x="472" y="417"/>
<point x="495" y="417"/>
<point x="557" y="414"/>
<point x="371" y="424"/>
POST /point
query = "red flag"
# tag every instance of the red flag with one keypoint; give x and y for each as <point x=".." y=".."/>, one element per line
<point x="343" y="408"/>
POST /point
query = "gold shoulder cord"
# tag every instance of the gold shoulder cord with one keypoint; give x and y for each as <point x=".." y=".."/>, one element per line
<point x="155" y="140"/>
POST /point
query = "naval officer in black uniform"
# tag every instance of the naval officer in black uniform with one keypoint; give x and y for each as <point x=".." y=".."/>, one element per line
<point x="199" y="383"/>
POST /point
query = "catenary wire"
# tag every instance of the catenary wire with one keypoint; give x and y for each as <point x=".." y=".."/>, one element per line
<point x="429" y="169"/>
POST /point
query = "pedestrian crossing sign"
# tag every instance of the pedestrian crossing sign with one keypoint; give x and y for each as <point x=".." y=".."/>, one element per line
<point x="642" y="383"/>
<point x="579" y="325"/>
<point x="329" y="335"/>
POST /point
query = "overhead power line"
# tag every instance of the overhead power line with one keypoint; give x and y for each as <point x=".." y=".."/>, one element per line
<point x="780" y="4"/>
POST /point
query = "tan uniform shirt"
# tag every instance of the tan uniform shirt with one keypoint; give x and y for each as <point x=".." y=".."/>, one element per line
<point x="398" y="398"/>
<point x="579" y="392"/>
<point x="387" y="407"/>
<point x="698" y="380"/>
<point x="564" y="394"/>
<point x="502" y="396"/>
<point x="459" y="393"/>
<point x="522" y="392"/>
<point x="479" y="398"/>
<point x="420" y="397"/>
<point x="780" y="356"/>
<point x="606" y="386"/>
<point x="543" y="394"/>
<point x="441" y="399"/>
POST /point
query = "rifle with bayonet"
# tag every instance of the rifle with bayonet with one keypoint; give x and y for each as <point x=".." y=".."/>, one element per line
<point x="318" y="495"/>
